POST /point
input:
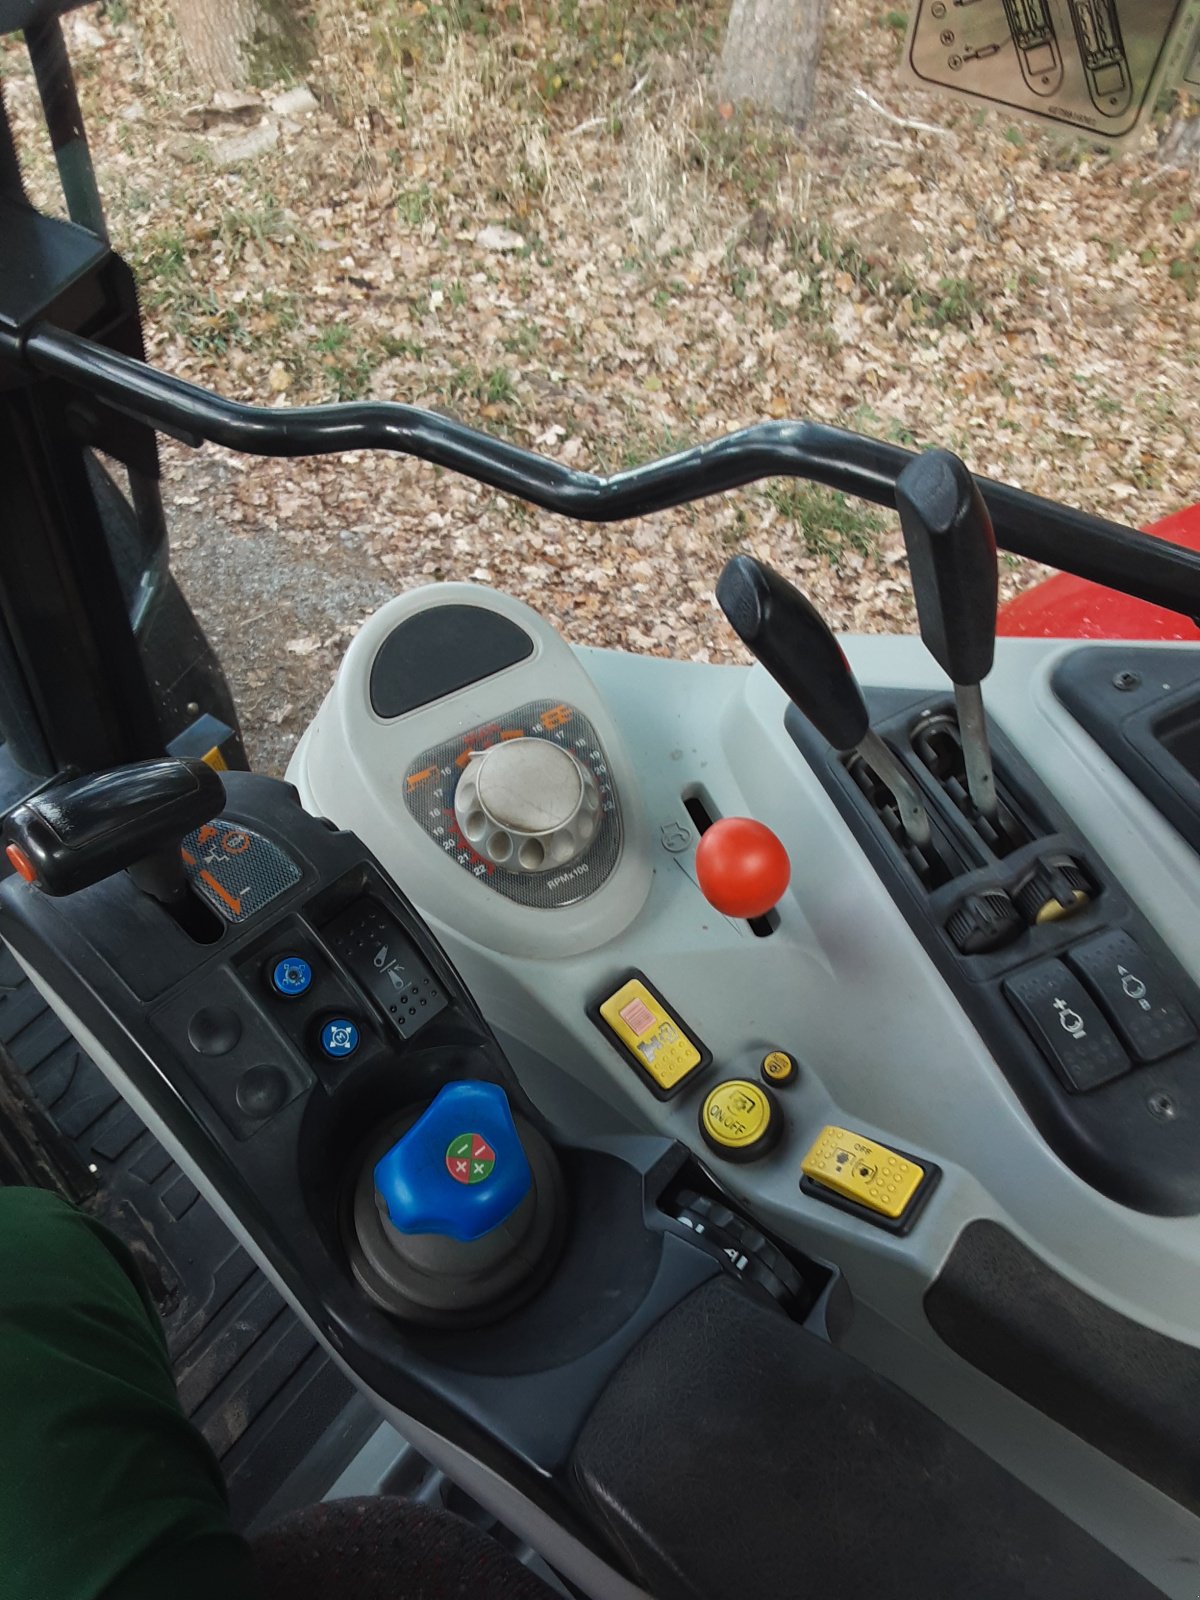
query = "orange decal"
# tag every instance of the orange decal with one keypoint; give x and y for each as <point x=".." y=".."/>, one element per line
<point x="188" y="857"/>
<point x="556" y="717"/>
<point x="421" y="777"/>
<point x="234" y="904"/>
<point x="234" y="843"/>
<point x="511" y="733"/>
<point x="460" y="761"/>
<point x="206" y="833"/>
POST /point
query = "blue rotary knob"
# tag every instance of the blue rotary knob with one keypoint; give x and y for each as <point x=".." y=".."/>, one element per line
<point x="460" y="1170"/>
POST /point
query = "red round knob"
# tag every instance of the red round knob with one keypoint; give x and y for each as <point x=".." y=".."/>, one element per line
<point x="742" y="867"/>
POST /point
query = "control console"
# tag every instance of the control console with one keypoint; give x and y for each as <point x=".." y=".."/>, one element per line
<point x="921" y="1006"/>
<point x="519" y="1298"/>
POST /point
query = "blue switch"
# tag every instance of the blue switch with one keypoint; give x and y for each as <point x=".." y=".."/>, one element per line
<point x="291" y="977"/>
<point x="339" y="1038"/>
<point x="460" y="1169"/>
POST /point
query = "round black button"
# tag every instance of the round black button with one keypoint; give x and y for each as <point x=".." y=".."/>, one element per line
<point x="214" y="1030"/>
<point x="261" y="1091"/>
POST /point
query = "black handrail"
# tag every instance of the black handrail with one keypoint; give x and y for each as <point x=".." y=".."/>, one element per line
<point x="1091" y="547"/>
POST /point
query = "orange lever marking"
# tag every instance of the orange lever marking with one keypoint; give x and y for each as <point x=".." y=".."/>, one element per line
<point x="234" y="904"/>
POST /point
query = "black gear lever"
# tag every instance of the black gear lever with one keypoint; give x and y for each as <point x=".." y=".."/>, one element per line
<point x="952" y="558"/>
<point x="75" y="833"/>
<point x="792" y="641"/>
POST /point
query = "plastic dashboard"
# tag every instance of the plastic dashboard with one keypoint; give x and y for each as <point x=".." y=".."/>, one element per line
<point x="884" y="1046"/>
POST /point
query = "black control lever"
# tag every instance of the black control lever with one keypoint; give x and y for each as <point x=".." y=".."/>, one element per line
<point x="78" y="832"/>
<point x="793" y="642"/>
<point x="952" y="558"/>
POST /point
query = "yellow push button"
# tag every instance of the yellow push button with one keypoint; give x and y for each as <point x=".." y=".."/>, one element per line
<point x="858" y="1169"/>
<point x="779" y="1067"/>
<point x="739" y="1120"/>
<point x="651" y="1037"/>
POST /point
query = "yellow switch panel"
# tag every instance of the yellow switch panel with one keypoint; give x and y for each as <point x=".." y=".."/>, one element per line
<point x="651" y="1036"/>
<point x="860" y="1170"/>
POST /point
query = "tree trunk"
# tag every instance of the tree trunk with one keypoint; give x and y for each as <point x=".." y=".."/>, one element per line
<point x="1179" y="143"/>
<point x="771" y="53"/>
<point x="215" y="35"/>
<point x="231" y="43"/>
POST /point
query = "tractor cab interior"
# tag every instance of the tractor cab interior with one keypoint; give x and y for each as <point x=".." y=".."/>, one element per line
<point x="725" y="1126"/>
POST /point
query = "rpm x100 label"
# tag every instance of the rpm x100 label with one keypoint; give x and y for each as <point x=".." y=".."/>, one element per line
<point x="431" y="780"/>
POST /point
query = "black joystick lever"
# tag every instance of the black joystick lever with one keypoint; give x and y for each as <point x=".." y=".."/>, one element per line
<point x="133" y="818"/>
<point x="792" y="641"/>
<point x="952" y="557"/>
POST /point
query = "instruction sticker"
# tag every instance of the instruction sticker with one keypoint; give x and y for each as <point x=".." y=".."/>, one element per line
<point x="1092" y="65"/>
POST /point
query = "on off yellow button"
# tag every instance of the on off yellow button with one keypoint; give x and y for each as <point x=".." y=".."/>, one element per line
<point x="740" y="1120"/>
<point x="779" y="1067"/>
<point x="858" y="1169"/>
<point x="649" y="1035"/>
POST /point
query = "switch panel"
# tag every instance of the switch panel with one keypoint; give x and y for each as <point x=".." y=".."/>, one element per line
<point x="650" y="1036"/>
<point x="387" y="966"/>
<point x="1068" y="1026"/>
<point x="1133" y="995"/>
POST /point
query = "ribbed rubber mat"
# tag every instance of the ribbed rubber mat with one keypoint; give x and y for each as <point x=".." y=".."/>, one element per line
<point x="280" y="1416"/>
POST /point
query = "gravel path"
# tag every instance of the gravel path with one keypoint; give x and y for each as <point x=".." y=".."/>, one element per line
<point x="253" y="605"/>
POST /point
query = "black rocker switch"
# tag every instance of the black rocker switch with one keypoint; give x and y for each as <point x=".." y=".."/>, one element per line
<point x="1067" y="1025"/>
<point x="793" y="642"/>
<point x="1133" y="994"/>
<point x="133" y="818"/>
<point x="952" y="557"/>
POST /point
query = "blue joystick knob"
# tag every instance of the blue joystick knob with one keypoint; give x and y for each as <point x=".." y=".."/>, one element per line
<point x="460" y="1169"/>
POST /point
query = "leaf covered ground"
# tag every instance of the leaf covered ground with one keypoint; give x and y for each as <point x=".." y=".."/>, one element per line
<point x="540" y="218"/>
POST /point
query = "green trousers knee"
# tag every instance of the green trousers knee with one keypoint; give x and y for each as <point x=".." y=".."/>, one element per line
<point x="106" y="1491"/>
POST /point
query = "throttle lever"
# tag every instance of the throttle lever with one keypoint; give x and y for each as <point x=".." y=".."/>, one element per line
<point x="952" y="557"/>
<point x="77" y="832"/>
<point x="791" y="639"/>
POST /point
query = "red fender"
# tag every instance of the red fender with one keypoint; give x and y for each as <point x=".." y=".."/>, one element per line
<point x="1064" y="607"/>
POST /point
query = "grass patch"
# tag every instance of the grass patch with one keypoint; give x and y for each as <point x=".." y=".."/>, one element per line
<point x="595" y="40"/>
<point x="414" y="205"/>
<point x="479" y="386"/>
<point x="524" y="341"/>
<point x="343" y="371"/>
<point x="263" y="226"/>
<point x="562" y="49"/>
<point x="954" y="304"/>
<point x="744" y="152"/>
<point x="160" y="258"/>
<point x="1185" y="271"/>
<point x="827" y="522"/>
<point x="644" y="444"/>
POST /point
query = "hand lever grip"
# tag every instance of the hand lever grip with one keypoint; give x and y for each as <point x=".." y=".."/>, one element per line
<point x="952" y="558"/>
<point x="792" y="640"/>
<point x="76" y="833"/>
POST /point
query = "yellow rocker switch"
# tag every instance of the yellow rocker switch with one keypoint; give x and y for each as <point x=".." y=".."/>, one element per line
<point x="651" y="1036"/>
<point x="858" y="1169"/>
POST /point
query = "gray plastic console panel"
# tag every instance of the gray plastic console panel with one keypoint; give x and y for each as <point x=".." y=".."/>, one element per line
<point x="842" y="983"/>
<point x="373" y="758"/>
